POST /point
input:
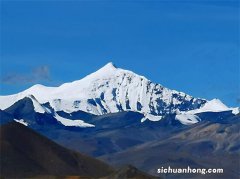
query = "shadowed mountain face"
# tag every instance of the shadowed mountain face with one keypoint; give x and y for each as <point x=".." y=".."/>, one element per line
<point x="25" y="153"/>
<point x="204" y="145"/>
<point x="5" y="117"/>
<point x="113" y="133"/>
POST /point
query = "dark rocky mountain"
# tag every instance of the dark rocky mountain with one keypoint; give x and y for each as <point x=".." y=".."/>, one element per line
<point x="25" y="153"/>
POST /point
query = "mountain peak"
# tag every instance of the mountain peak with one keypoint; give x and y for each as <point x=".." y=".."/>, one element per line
<point x="109" y="65"/>
<point x="107" y="69"/>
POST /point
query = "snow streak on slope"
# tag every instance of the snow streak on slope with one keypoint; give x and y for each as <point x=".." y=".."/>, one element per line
<point x="187" y="119"/>
<point x="37" y="106"/>
<point x="151" y="117"/>
<point x="69" y="122"/>
<point x="21" y="121"/>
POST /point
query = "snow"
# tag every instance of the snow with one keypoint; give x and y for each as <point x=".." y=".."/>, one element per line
<point x="187" y="119"/>
<point x="235" y="111"/>
<point x="21" y="121"/>
<point x="68" y="122"/>
<point x="7" y="101"/>
<point x="214" y="105"/>
<point x="151" y="117"/>
<point x="37" y="106"/>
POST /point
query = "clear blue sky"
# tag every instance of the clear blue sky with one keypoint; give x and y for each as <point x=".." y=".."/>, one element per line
<point x="184" y="45"/>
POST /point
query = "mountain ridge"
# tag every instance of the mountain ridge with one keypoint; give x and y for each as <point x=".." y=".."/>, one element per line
<point x="111" y="90"/>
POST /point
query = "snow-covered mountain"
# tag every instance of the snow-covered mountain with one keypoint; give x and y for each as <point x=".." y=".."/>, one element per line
<point x="112" y="90"/>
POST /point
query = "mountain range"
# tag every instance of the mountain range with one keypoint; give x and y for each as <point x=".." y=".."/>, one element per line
<point x="125" y="119"/>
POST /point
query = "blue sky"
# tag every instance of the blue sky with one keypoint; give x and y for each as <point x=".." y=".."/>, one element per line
<point x="184" y="45"/>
